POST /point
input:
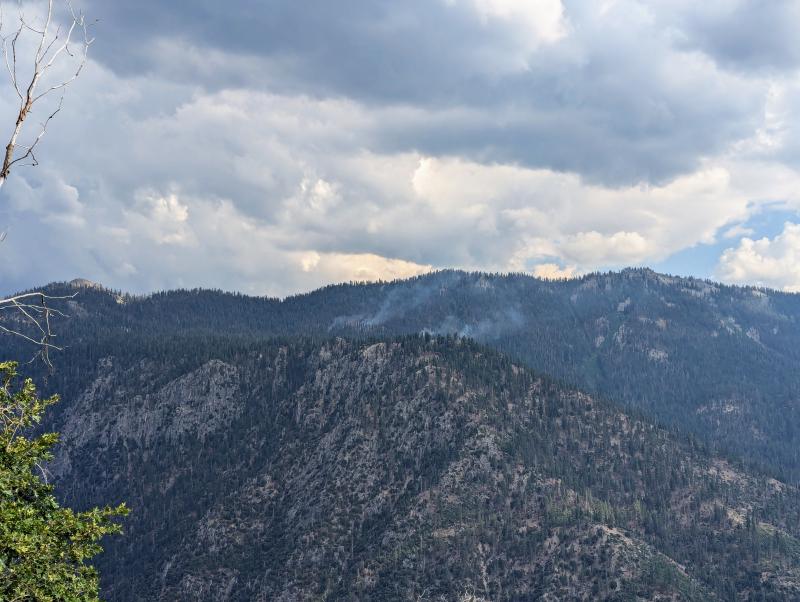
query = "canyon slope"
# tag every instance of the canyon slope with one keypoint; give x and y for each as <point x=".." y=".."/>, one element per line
<point x="416" y="468"/>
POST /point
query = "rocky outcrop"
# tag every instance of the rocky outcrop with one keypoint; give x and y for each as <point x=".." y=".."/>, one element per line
<point x="408" y="469"/>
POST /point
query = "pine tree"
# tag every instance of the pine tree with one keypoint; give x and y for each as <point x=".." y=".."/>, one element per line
<point x="44" y="548"/>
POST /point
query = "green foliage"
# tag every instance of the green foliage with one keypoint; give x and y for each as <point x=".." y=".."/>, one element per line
<point x="43" y="547"/>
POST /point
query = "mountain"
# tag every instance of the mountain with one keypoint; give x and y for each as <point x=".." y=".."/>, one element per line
<point x="414" y="468"/>
<point x="717" y="361"/>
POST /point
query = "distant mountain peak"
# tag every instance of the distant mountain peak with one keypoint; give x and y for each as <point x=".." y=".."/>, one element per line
<point x="84" y="283"/>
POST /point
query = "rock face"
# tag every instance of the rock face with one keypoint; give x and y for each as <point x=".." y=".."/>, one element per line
<point x="84" y="283"/>
<point x="201" y="402"/>
<point x="410" y="469"/>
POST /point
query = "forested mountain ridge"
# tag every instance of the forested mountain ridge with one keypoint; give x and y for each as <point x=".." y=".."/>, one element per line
<point x="419" y="468"/>
<point x="719" y="361"/>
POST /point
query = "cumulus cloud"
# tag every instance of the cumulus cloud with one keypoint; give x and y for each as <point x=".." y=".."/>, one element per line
<point x="278" y="147"/>
<point x="553" y="271"/>
<point x="162" y="218"/>
<point x="772" y="262"/>
<point x="592" y="247"/>
<point x="530" y="215"/>
<point x="360" y="267"/>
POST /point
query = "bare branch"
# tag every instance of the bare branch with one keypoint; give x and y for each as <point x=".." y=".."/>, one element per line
<point x="36" y="313"/>
<point x="4" y="41"/>
<point x="53" y="41"/>
<point x="24" y="296"/>
<point x="50" y="48"/>
<point x="29" y="149"/>
<point x="43" y="33"/>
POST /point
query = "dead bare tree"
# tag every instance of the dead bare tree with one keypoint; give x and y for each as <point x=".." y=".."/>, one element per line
<point x="30" y="89"/>
<point x="52" y="42"/>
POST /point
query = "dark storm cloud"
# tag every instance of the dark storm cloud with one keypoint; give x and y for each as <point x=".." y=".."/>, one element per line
<point x="748" y="35"/>
<point x="611" y="100"/>
<point x="381" y="50"/>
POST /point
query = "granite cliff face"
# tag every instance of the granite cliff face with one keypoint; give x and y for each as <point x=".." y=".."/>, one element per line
<point x="419" y="468"/>
<point x="107" y="415"/>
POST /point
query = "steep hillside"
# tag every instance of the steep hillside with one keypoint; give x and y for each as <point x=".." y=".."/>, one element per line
<point x="721" y="362"/>
<point x="412" y="469"/>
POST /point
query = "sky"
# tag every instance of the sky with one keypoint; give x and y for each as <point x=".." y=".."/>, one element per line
<point x="275" y="146"/>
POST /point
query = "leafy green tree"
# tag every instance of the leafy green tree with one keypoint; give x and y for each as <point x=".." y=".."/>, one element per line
<point x="44" y="548"/>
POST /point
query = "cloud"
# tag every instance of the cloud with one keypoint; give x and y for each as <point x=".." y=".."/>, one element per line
<point x="609" y="90"/>
<point x="529" y="215"/>
<point x="359" y="267"/>
<point x="231" y="187"/>
<point x="767" y="262"/>
<point x="162" y="218"/>
<point x="272" y="147"/>
<point x="588" y="248"/>
<point x="542" y="21"/>
<point x="738" y="231"/>
<point x="553" y="271"/>
<point x="749" y="35"/>
<point x="286" y="177"/>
